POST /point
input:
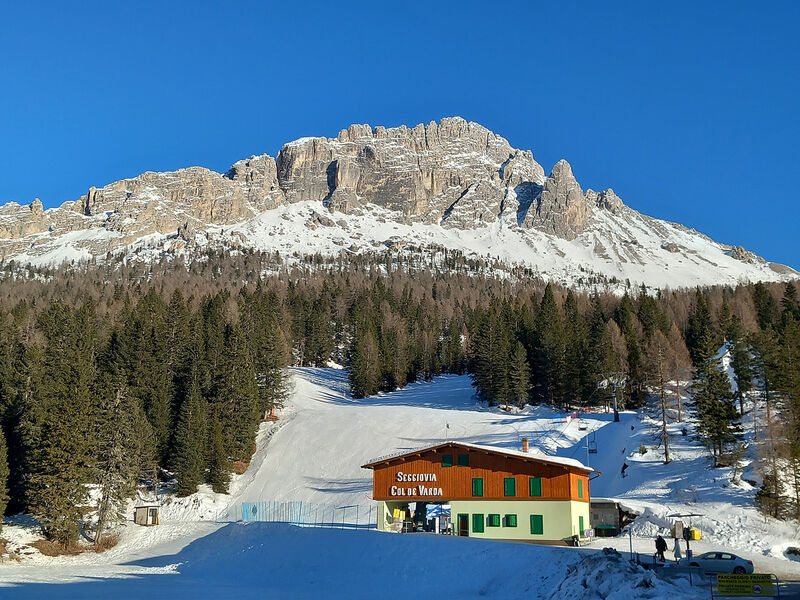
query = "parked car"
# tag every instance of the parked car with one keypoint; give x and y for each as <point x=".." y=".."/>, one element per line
<point x="722" y="562"/>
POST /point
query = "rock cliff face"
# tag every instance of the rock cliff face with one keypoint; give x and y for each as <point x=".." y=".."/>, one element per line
<point x="453" y="168"/>
<point x="453" y="175"/>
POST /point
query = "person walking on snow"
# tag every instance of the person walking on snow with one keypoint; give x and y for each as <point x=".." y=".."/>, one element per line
<point x="677" y="550"/>
<point x="661" y="546"/>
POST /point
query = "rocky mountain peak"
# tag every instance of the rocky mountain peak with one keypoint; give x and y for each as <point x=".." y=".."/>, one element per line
<point x="454" y="180"/>
<point x="561" y="209"/>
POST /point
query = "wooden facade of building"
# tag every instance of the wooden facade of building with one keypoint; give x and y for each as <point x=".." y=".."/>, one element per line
<point x="484" y="485"/>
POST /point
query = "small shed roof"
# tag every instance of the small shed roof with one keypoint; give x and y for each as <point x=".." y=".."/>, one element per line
<point x="529" y="456"/>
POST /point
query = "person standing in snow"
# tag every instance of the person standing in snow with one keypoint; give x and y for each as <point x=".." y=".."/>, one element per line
<point x="677" y="550"/>
<point x="661" y="546"/>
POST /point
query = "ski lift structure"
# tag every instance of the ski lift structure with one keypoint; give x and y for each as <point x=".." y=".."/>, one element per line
<point x="591" y="443"/>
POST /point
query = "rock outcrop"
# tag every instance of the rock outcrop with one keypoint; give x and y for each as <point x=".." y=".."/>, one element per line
<point x="446" y="172"/>
<point x="561" y="209"/>
<point x="18" y="221"/>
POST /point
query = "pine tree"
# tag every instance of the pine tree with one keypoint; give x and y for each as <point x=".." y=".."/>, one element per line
<point x="218" y="463"/>
<point x="769" y="497"/>
<point x="61" y="460"/>
<point x="598" y="356"/>
<point x="148" y="362"/>
<point x="789" y="385"/>
<point x="629" y="326"/>
<point x="490" y="359"/>
<point x="22" y="419"/>
<point x="364" y="365"/>
<point x="725" y="319"/>
<point x="519" y="376"/>
<point x="699" y="336"/>
<point x="4" y="473"/>
<point x="657" y="364"/>
<point x="190" y="434"/>
<point x="548" y="353"/>
<point x="716" y="415"/>
<point x="767" y="312"/>
<point x="118" y="463"/>
<point x="236" y="404"/>
<point x="742" y="368"/>
<point x="576" y="337"/>
<point x="790" y="303"/>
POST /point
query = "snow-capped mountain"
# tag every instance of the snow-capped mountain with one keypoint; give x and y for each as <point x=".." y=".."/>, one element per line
<point x="452" y="184"/>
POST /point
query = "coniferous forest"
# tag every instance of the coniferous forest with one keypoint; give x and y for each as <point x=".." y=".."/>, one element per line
<point x="118" y="377"/>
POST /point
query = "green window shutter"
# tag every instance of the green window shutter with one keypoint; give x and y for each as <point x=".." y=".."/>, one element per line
<point x="477" y="486"/>
<point x="493" y="521"/>
<point x="510" y="486"/>
<point x="447" y="460"/>
<point x="580" y="526"/>
<point x="537" y="524"/>
<point x="510" y="521"/>
<point x="536" y="487"/>
<point x="463" y="460"/>
<point x="477" y="523"/>
<point x="580" y="488"/>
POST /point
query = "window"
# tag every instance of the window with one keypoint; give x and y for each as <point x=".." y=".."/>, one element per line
<point x="510" y="486"/>
<point x="493" y="521"/>
<point x="477" y="486"/>
<point x="447" y="460"/>
<point x="536" y="486"/>
<point x="510" y="521"/>
<point x="580" y="488"/>
<point x="537" y="524"/>
<point x="580" y="526"/>
<point x="477" y="523"/>
<point x="463" y="460"/>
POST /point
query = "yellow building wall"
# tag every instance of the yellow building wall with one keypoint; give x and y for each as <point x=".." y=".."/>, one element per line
<point x="559" y="518"/>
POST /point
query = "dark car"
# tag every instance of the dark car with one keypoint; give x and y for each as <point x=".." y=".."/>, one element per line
<point x="722" y="562"/>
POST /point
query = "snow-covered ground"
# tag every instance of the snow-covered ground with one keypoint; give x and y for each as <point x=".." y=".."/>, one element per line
<point x="314" y="454"/>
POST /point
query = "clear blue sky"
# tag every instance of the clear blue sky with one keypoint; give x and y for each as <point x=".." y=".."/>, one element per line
<point x="688" y="110"/>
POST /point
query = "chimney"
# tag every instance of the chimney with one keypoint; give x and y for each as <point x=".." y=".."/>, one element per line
<point x="525" y="445"/>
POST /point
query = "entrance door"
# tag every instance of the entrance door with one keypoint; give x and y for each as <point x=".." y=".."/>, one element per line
<point x="463" y="525"/>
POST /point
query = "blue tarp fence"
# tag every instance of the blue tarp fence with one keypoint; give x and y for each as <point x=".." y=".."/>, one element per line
<point x="303" y="514"/>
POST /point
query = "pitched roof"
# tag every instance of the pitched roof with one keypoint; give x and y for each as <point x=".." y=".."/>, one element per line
<point x="531" y="456"/>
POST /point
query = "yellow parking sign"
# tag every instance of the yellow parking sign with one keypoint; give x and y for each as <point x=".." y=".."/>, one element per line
<point x="745" y="585"/>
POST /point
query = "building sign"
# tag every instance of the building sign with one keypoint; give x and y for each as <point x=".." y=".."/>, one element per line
<point x="415" y="490"/>
<point x="745" y="585"/>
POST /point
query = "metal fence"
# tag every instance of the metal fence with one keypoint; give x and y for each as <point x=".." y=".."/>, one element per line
<point x="302" y="514"/>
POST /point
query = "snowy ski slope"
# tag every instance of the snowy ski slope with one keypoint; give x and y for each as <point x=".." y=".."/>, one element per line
<point x="314" y="454"/>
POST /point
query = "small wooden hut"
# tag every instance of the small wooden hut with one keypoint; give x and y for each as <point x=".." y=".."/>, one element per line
<point x="146" y="513"/>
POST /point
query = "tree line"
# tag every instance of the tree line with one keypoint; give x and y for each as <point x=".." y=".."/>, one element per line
<point x="116" y="377"/>
<point x="93" y="406"/>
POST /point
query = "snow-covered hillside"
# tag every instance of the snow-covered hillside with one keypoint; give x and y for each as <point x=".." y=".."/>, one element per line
<point x="314" y="454"/>
<point x="616" y="250"/>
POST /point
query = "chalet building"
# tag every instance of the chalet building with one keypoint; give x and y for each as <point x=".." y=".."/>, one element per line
<point x="491" y="492"/>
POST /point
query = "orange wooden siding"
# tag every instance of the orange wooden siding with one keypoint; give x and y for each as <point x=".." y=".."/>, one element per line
<point x="558" y="483"/>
